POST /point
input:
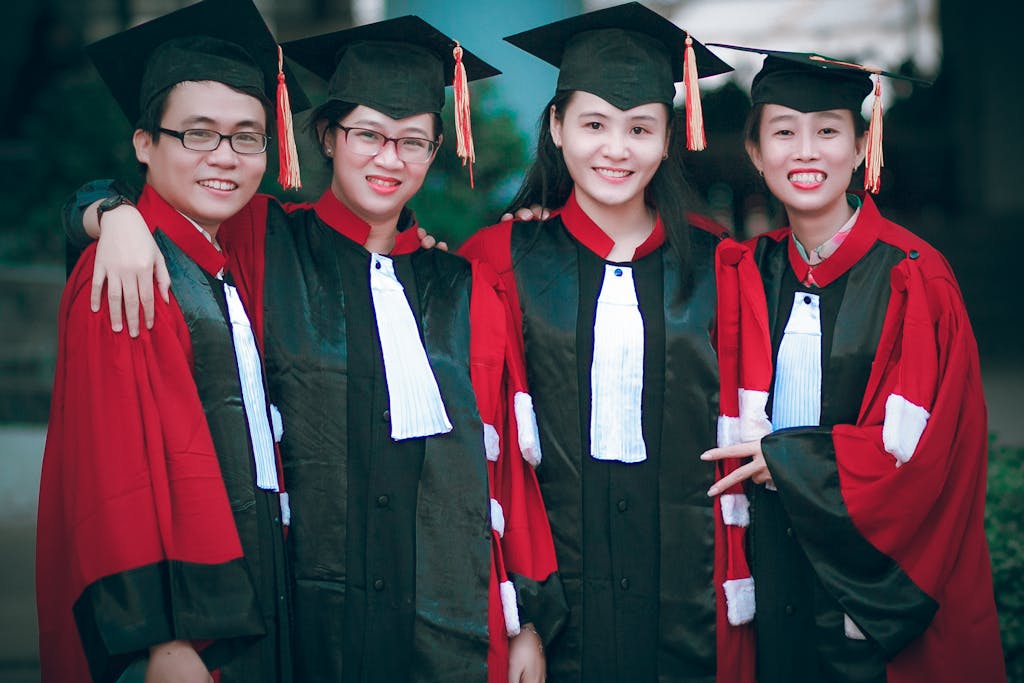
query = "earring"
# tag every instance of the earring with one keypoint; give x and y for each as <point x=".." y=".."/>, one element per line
<point x="760" y="173"/>
<point x="664" y="156"/>
<point x="328" y="152"/>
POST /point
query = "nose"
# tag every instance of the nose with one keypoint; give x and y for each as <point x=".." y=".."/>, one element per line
<point x="615" y="145"/>
<point x="807" y="147"/>
<point x="387" y="157"/>
<point x="223" y="154"/>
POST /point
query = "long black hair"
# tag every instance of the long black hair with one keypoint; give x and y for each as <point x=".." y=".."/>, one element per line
<point x="547" y="182"/>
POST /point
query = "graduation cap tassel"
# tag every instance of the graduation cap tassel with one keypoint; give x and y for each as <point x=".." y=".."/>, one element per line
<point x="695" y="140"/>
<point x="873" y="163"/>
<point x="288" y="174"/>
<point x="463" y="126"/>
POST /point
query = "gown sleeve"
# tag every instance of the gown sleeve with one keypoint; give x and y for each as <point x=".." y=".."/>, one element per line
<point x="531" y="589"/>
<point x="136" y="541"/>
<point x="890" y="510"/>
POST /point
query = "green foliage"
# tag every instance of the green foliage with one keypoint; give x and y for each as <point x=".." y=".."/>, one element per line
<point x="74" y="134"/>
<point x="446" y="206"/>
<point x="1003" y="528"/>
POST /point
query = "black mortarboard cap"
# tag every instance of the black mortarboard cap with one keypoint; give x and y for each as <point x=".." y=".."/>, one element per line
<point x="399" y="67"/>
<point x="808" y="82"/>
<point x="214" y="40"/>
<point x="628" y="54"/>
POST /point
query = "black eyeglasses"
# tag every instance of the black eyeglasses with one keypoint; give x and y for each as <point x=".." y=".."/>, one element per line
<point x="369" y="143"/>
<point x="202" y="140"/>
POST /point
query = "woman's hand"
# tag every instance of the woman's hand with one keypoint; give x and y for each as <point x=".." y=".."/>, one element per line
<point x="526" y="663"/>
<point x="534" y="213"/>
<point x="128" y="260"/>
<point x="755" y="470"/>
<point x="176" y="662"/>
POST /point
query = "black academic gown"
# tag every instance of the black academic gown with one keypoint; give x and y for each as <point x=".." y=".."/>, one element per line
<point x="390" y="540"/>
<point x="635" y="542"/>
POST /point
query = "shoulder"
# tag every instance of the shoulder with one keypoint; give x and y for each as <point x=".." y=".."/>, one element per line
<point x="706" y="225"/>
<point x="924" y="257"/>
<point x="492" y="245"/>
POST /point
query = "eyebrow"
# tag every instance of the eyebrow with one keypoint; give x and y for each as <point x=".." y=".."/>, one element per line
<point x="372" y="124"/>
<point x="199" y="118"/>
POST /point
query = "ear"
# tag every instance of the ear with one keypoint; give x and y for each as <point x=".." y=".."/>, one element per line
<point x="754" y="152"/>
<point x="555" y="124"/>
<point x="861" y="146"/>
<point x="143" y="143"/>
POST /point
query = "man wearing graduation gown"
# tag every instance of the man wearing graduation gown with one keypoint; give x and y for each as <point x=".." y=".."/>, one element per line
<point x="159" y="526"/>
<point x="868" y="545"/>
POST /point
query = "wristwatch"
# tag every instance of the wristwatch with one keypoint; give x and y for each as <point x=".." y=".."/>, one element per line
<point x="109" y="204"/>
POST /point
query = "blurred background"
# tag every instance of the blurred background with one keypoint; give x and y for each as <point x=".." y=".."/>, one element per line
<point x="952" y="174"/>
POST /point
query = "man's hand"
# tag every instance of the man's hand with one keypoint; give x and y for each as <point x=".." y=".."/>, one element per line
<point x="526" y="663"/>
<point x="756" y="469"/>
<point x="176" y="662"/>
<point x="127" y="260"/>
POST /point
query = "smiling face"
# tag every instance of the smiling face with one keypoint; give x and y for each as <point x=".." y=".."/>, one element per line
<point x="208" y="187"/>
<point x="611" y="154"/>
<point x="375" y="188"/>
<point x="807" y="159"/>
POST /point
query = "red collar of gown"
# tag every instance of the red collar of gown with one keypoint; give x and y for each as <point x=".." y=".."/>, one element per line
<point x="159" y="214"/>
<point x="862" y="237"/>
<point x="590" y="235"/>
<point x="335" y="214"/>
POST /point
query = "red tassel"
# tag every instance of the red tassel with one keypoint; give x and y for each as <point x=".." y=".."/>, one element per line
<point x="873" y="163"/>
<point x="695" y="140"/>
<point x="463" y="125"/>
<point x="288" y="155"/>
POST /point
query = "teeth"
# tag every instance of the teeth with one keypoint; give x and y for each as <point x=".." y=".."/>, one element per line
<point x="384" y="182"/>
<point x="218" y="184"/>
<point x="613" y="173"/>
<point x="807" y="177"/>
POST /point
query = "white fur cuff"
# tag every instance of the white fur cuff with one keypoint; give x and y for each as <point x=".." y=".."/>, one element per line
<point x="276" y="423"/>
<point x="735" y="509"/>
<point x="509" y="607"/>
<point x="497" y="518"/>
<point x="739" y="599"/>
<point x="728" y="430"/>
<point x="753" y="419"/>
<point x="904" y="424"/>
<point x="491" y="446"/>
<point x="526" y="422"/>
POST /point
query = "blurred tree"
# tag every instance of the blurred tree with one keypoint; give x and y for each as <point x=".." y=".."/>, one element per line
<point x="447" y="206"/>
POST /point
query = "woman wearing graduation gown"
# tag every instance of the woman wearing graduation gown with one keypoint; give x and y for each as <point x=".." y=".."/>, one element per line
<point x="868" y="548"/>
<point x="614" y="301"/>
<point x="419" y="545"/>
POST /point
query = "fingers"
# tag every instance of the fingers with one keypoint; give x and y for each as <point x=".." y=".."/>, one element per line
<point x="114" y="303"/>
<point x="737" y="450"/>
<point x="428" y="242"/>
<point x="163" y="279"/>
<point x="145" y="286"/>
<point x="506" y="217"/>
<point x="733" y="478"/>
<point x="130" y="297"/>
<point x="99" y="276"/>
<point x="443" y="246"/>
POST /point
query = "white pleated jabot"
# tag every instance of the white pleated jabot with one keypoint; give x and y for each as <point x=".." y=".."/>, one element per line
<point x="617" y="371"/>
<point x="254" y="398"/>
<point x="416" y="407"/>
<point x="797" y="397"/>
